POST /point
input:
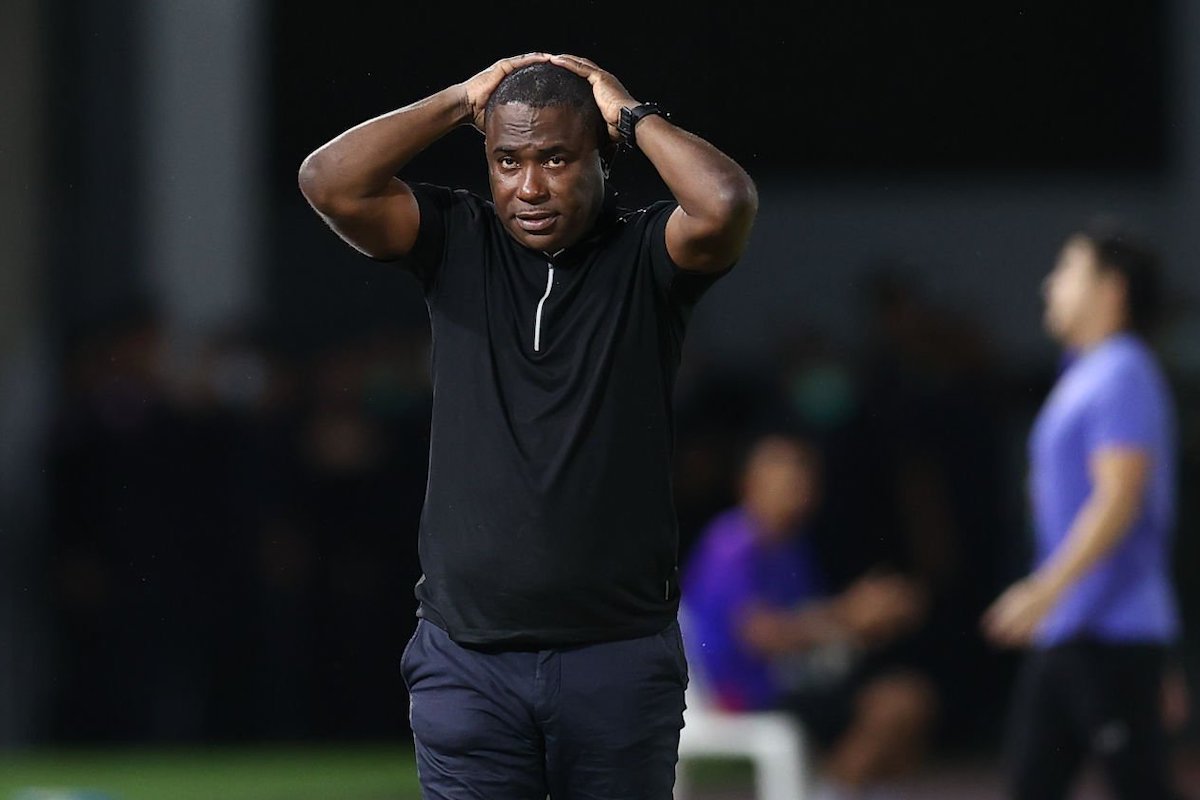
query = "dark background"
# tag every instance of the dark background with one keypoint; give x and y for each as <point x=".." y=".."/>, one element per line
<point x="811" y="86"/>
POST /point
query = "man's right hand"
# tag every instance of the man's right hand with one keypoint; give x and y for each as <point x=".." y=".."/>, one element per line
<point x="878" y="608"/>
<point x="478" y="88"/>
<point x="351" y="179"/>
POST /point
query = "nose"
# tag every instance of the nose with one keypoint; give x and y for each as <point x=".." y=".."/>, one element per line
<point x="532" y="186"/>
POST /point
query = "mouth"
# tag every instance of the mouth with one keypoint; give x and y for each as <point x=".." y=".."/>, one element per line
<point x="536" y="221"/>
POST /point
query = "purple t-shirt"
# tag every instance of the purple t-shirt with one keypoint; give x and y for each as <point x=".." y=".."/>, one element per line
<point x="1114" y="396"/>
<point x="729" y="568"/>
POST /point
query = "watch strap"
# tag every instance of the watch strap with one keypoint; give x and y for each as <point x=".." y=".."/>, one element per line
<point x="630" y="116"/>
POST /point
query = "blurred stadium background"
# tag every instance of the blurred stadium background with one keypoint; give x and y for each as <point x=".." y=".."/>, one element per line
<point x="213" y="415"/>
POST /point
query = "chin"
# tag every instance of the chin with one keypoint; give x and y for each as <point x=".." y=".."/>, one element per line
<point x="533" y="241"/>
<point x="547" y="244"/>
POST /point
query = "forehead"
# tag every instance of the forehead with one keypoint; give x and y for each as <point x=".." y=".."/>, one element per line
<point x="514" y="126"/>
<point x="1077" y="254"/>
<point x="777" y="453"/>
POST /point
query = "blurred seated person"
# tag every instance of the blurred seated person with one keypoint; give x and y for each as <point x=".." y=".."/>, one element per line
<point x="765" y="634"/>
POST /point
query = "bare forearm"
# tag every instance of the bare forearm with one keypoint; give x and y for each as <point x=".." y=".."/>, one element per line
<point x="1118" y="478"/>
<point x="772" y="632"/>
<point x="817" y="625"/>
<point x="361" y="162"/>
<point x="707" y="184"/>
<point x="1099" y="527"/>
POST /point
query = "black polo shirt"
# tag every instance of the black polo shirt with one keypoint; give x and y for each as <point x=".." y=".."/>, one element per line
<point x="548" y="515"/>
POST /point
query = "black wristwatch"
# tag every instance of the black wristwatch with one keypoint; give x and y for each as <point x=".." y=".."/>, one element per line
<point x="630" y="118"/>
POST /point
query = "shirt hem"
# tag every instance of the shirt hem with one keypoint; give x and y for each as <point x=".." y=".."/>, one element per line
<point x="544" y="638"/>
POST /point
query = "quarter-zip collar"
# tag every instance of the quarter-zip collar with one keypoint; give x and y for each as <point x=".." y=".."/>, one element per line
<point x="568" y="255"/>
<point x="603" y="226"/>
<point x="599" y="231"/>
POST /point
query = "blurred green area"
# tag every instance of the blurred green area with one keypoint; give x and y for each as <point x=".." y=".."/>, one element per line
<point x="355" y="773"/>
<point x="352" y="773"/>
<point x="251" y="773"/>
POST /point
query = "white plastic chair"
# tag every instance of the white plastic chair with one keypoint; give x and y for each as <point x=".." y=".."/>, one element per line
<point x="773" y="741"/>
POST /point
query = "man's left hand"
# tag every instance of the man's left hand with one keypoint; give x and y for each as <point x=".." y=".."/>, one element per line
<point x="610" y="95"/>
<point x="1013" y="619"/>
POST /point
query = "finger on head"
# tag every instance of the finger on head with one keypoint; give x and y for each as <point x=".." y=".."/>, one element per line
<point x="574" y="61"/>
<point x="587" y="62"/>
<point x="579" y="69"/>
<point x="529" y="58"/>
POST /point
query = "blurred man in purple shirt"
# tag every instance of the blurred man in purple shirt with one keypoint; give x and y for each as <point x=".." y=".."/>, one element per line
<point x="1099" y="610"/>
<point x="763" y="632"/>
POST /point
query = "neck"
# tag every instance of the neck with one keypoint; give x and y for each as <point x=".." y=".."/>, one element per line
<point x="771" y="530"/>
<point x="1090" y="337"/>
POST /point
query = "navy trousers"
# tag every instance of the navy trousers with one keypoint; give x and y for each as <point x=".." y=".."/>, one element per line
<point x="587" y="722"/>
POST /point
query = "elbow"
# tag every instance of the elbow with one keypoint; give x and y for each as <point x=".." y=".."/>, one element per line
<point x="316" y="184"/>
<point x="746" y="197"/>
<point x="747" y="204"/>
<point x="738" y="204"/>
<point x="311" y="178"/>
<point x="734" y="210"/>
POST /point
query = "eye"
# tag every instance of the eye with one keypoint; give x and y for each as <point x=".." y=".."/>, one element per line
<point x="556" y="161"/>
<point x="507" y="162"/>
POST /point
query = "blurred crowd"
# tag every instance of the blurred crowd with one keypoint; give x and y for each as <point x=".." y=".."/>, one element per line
<point x="233" y="552"/>
<point x="232" y="534"/>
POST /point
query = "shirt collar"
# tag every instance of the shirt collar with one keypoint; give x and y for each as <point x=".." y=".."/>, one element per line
<point x="605" y="222"/>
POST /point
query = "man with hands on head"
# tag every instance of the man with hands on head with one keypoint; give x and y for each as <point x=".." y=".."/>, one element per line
<point x="547" y="658"/>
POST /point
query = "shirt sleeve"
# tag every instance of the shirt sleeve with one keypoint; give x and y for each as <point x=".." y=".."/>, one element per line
<point x="426" y="256"/>
<point x="682" y="288"/>
<point x="1123" y="410"/>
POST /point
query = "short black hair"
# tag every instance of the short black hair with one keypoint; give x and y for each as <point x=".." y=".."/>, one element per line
<point x="1121" y="251"/>
<point x="544" y="84"/>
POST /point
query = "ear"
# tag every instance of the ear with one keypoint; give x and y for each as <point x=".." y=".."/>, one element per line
<point x="1117" y="288"/>
<point x="608" y="152"/>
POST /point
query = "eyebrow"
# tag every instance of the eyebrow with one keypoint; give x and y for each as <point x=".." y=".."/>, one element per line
<point x="553" y="149"/>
